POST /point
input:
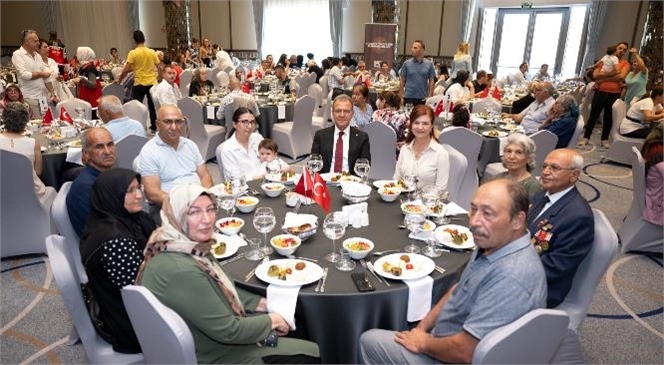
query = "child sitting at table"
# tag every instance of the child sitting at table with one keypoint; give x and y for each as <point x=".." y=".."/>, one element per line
<point x="267" y="154"/>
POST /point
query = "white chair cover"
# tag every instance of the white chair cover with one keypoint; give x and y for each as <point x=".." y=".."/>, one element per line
<point x="229" y="109"/>
<point x="469" y="144"/>
<point x="586" y="102"/>
<point x="137" y="110"/>
<point x="383" y="141"/>
<point x="487" y="103"/>
<point x="185" y="80"/>
<point x="114" y="89"/>
<point x="222" y="78"/>
<point x="458" y="166"/>
<point x="61" y="218"/>
<point x="621" y="147"/>
<point x="590" y="271"/>
<point x="70" y="106"/>
<point x="174" y="343"/>
<point x="212" y="76"/>
<point x="294" y="138"/>
<point x="127" y="149"/>
<point x="577" y="132"/>
<point x="20" y="205"/>
<point x="62" y="264"/>
<point x="545" y="142"/>
<point x="206" y="136"/>
<point x="635" y="233"/>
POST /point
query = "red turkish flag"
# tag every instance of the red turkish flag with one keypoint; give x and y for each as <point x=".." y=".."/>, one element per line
<point x="321" y="194"/>
<point x="48" y="117"/>
<point x="64" y="116"/>
<point x="496" y="93"/>
<point x="440" y="108"/>
<point x="305" y="185"/>
<point x="485" y="93"/>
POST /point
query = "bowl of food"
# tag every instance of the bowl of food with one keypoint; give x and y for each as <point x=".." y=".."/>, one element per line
<point x="273" y="189"/>
<point x="285" y="244"/>
<point x="303" y="231"/>
<point x="246" y="204"/>
<point x="230" y="225"/>
<point x="413" y="208"/>
<point x="358" y="247"/>
<point x="389" y="194"/>
<point x="355" y="192"/>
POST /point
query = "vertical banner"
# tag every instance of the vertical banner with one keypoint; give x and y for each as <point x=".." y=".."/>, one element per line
<point x="379" y="45"/>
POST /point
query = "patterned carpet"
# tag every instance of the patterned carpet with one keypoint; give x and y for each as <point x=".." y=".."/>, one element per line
<point x="625" y="323"/>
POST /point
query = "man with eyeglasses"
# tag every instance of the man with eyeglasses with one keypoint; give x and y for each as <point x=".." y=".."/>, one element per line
<point x="561" y="222"/>
<point x="341" y="145"/>
<point x="169" y="159"/>
<point x="535" y="114"/>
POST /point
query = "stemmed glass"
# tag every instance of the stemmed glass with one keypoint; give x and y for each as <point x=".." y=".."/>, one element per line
<point x="272" y="168"/>
<point x="80" y="111"/>
<point x="362" y="168"/>
<point x="227" y="202"/>
<point x="264" y="222"/>
<point x="414" y="223"/>
<point x="315" y="163"/>
<point x="334" y="227"/>
<point x="410" y="180"/>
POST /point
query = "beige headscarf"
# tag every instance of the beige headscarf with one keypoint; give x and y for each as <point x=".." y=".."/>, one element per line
<point x="85" y="55"/>
<point x="172" y="236"/>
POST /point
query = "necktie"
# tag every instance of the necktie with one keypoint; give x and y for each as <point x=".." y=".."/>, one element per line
<point x="339" y="153"/>
<point x="536" y="209"/>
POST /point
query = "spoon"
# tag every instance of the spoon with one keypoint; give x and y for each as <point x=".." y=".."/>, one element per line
<point x="378" y="253"/>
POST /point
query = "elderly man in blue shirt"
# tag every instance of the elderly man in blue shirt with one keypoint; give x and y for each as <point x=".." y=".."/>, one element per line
<point x="110" y="111"/>
<point x="503" y="281"/>
<point x="417" y="76"/>
<point x="535" y="114"/>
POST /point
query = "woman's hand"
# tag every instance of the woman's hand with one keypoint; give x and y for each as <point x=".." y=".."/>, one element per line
<point x="279" y="324"/>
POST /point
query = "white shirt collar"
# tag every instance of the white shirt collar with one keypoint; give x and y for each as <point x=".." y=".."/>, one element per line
<point x="553" y="198"/>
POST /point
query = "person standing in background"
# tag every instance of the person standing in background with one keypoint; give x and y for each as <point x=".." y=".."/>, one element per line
<point x="417" y="76"/>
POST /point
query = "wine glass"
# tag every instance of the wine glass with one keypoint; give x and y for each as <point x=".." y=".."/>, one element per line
<point x="410" y="180"/>
<point x="315" y="163"/>
<point x="362" y="168"/>
<point x="227" y="202"/>
<point x="414" y="223"/>
<point x="272" y="168"/>
<point x="264" y="222"/>
<point x="80" y="110"/>
<point x="444" y="198"/>
<point x="334" y="228"/>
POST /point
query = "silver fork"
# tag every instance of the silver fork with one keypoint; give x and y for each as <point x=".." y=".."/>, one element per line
<point x="253" y="271"/>
<point x="366" y="267"/>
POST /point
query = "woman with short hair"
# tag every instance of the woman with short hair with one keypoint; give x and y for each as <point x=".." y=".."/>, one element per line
<point x="362" y="110"/>
<point x="519" y="160"/>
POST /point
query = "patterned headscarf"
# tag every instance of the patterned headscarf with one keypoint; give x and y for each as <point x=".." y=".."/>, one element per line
<point x="173" y="236"/>
<point x="85" y="55"/>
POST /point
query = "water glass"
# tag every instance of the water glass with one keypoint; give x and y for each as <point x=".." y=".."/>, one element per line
<point x="315" y="163"/>
<point x="345" y="263"/>
<point x="431" y="250"/>
<point x="362" y="168"/>
<point x="227" y="202"/>
<point x="414" y="223"/>
<point x="254" y="253"/>
<point x="334" y="228"/>
<point x="264" y="222"/>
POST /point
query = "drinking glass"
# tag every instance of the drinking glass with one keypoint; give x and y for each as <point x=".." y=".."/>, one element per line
<point x="315" y="163"/>
<point x="264" y="222"/>
<point x="410" y="180"/>
<point x="362" y="168"/>
<point x="227" y="202"/>
<point x="273" y="169"/>
<point x="334" y="228"/>
<point x="414" y="223"/>
<point x="444" y="198"/>
<point x="255" y="252"/>
<point x="430" y="196"/>
<point x="345" y="263"/>
<point x="431" y="250"/>
<point x="80" y="111"/>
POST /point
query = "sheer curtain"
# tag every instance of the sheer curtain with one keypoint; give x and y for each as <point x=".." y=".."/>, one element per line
<point x="596" y="13"/>
<point x="468" y="11"/>
<point x="258" y="25"/>
<point x="296" y="27"/>
<point x="99" y="25"/>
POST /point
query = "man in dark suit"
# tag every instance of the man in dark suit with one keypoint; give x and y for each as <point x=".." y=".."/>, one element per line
<point x="561" y="222"/>
<point x="341" y="145"/>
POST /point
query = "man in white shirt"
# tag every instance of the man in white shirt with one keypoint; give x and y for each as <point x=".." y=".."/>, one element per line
<point x="335" y="78"/>
<point x="167" y="92"/>
<point x="533" y="116"/>
<point x="522" y="76"/>
<point x="110" y="111"/>
<point x="32" y="74"/>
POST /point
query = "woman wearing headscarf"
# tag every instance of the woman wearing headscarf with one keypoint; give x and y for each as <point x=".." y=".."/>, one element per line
<point x="562" y="119"/>
<point x="112" y="245"/>
<point x="89" y="86"/>
<point x="13" y="94"/>
<point x="179" y="267"/>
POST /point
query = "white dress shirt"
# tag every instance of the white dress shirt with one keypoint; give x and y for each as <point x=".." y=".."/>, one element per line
<point x="236" y="160"/>
<point x="25" y="65"/>
<point x="553" y="198"/>
<point x="346" y="141"/>
<point x="432" y="168"/>
<point x="166" y="93"/>
<point x="535" y="114"/>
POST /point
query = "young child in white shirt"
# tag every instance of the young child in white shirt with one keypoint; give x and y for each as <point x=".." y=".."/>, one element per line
<point x="609" y="61"/>
<point x="267" y="153"/>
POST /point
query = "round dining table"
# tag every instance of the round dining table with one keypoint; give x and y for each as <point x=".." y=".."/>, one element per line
<point x="336" y="318"/>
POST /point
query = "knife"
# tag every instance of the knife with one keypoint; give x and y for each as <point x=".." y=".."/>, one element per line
<point x="322" y="286"/>
<point x="371" y="268"/>
<point x="239" y="256"/>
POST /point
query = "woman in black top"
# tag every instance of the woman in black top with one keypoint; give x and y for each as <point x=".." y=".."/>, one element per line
<point x="112" y="250"/>
<point x="200" y="85"/>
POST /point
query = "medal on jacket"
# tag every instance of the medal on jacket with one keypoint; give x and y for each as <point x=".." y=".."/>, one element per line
<point x="542" y="238"/>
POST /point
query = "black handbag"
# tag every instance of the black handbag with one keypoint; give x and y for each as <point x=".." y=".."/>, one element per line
<point x="93" y="310"/>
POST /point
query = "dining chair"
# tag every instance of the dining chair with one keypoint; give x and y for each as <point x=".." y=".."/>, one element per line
<point x="96" y="348"/>
<point x="469" y="144"/>
<point x="326" y="88"/>
<point x="229" y="109"/>
<point x="60" y="216"/>
<point x="621" y="146"/>
<point x="318" y="120"/>
<point x="137" y="111"/>
<point x="211" y="74"/>
<point x="20" y="205"/>
<point x="114" y="89"/>
<point x="383" y="150"/>
<point x="294" y="138"/>
<point x="127" y="149"/>
<point x="545" y="142"/>
<point x="590" y="271"/>
<point x="577" y="132"/>
<point x="532" y="339"/>
<point x="488" y="103"/>
<point x="222" y="78"/>
<point x="174" y="344"/>
<point x="635" y="233"/>
<point x="185" y="80"/>
<point x="70" y="106"/>
<point x="206" y="136"/>
<point x="458" y="166"/>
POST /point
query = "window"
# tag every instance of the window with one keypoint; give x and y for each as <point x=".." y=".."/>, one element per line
<point x="296" y="27"/>
<point x="536" y="36"/>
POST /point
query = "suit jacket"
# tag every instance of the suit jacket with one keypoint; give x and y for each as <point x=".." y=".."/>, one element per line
<point x="324" y="143"/>
<point x="573" y="231"/>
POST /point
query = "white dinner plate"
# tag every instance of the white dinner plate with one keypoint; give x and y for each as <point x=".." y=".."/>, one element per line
<point x="469" y="244"/>
<point x="500" y="134"/>
<point x="277" y="178"/>
<point x="231" y="246"/>
<point x="75" y="143"/>
<point x="328" y="176"/>
<point x="311" y="272"/>
<point x="220" y="189"/>
<point x="422" y="266"/>
<point x="380" y="183"/>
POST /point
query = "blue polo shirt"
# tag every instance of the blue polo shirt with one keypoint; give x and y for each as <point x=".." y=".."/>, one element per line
<point x="417" y="75"/>
<point x="78" y="198"/>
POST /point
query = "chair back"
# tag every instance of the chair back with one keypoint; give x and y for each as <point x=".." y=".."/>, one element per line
<point x="185" y="80"/>
<point x="590" y="271"/>
<point x="223" y="79"/>
<point x="61" y="218"/>
<point x="70" y="106"/>
<point x="174" y="344"/>
<point x="458" y="166"/>
<point x="545" y="142"/>
<point x="383" y="150"/>
<point x="531" y="339"/>
<point x="302" y="118"/>
<point x="155" y="100"/>
<point x="618" y="113"/>
<point x="316" y="92"/>
<point x="20" y="205"/>
<point x="469" y="144"/>
<point x="97" y="349"/>
<point x="638" y="181"/>
<point x="193" y="110"/>
<point x="127" y="149"/>
<point x="212" y="76"/>
<point x="577" y="132"/>
<point x="114" y="89"/>
<point x="136" y="110"/>
<point x="230" y="108"/>
<point x="349" y="81"/>
<point x="489" y="103"/>
<point x="323" y="84"/>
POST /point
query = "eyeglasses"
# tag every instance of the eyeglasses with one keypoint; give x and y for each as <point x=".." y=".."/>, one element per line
<point x="555" y="168"/>
<point x="198" y="213"/>
<point x="134" y="189"/>
<point x="247" y="122"/>
<point x="177" y="122"/>
<point x="341" y="112"/>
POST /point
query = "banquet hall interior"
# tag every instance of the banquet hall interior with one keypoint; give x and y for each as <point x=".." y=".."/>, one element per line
<point x="625" y="321"/>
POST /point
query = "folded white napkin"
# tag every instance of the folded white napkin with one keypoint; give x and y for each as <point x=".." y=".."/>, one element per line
<point x="355" y="188"/>
<point x="296" y="220"/>
<point x="282" y="300"/>
<point x="75" y="155"/>
<point x="454" y="209"/>
<point x="421" y="236"/>
<point x="235" y="239"/>
<point x="476" y="119"/>
<point x="419" y="298"/>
